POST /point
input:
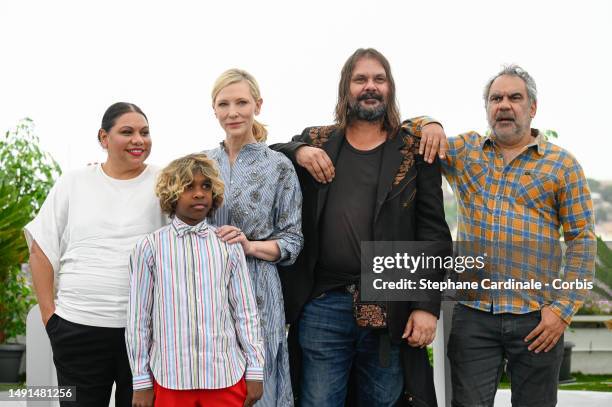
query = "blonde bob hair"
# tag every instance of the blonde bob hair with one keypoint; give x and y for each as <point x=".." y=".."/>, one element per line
<point x="172" y="181"/>
<point x="235" y="75"/>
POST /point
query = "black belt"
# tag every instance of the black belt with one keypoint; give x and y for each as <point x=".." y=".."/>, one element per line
<point x="349" y="288"/>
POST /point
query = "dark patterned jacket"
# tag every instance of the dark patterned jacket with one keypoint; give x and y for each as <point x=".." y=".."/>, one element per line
<point x="409" y="207"/>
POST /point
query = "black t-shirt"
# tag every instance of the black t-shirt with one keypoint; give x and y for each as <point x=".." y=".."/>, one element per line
<point x="347" y="218"/>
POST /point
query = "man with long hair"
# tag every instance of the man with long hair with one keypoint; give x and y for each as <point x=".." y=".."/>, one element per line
<point x="362" y="180"/>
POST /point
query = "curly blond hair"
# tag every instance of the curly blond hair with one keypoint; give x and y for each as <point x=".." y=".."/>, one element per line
<point x="173" y="179"/>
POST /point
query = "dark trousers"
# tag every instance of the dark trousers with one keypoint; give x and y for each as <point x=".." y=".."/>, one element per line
<point x="478" y="344"/>
<point x="92" y="359"/>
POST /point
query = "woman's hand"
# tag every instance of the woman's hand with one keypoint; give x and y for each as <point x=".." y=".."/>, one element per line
<point x="267" y="250"/>
<point x="46" y="316"/>
<point x="232" y="234"/>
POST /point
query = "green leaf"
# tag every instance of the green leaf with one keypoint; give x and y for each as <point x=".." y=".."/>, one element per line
<point x="27" y="175"/>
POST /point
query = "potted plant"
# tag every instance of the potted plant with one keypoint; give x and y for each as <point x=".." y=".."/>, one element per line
<point x="25" y="179"/>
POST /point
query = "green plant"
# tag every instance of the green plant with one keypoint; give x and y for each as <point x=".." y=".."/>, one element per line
<point x="27" y="173"/>
<point x="28" y="168"/>
<point x="14" y="214"/>
<point x="15" y="293"/>
<point x="599" y="300"/>
<point x="589" y="382"/>
<point x="603" y="266"/>
<point x="430" y="355"/>
<point x="550" y="134"/>
<point x="16" y="299"/>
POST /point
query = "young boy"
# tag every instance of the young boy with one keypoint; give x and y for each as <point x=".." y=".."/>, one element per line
<point x="193" y="336"/>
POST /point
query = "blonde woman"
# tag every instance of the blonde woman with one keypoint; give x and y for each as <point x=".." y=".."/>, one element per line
<point x="262" y="212"/>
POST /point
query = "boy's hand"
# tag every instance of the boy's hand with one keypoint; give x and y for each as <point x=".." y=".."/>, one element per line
<point x="143" y="398"/>
<point x="254" y="392"/>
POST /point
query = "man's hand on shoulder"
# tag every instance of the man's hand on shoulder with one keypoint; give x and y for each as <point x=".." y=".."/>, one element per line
<point x="433" y="141"/>
<point x="421" y="328"/>
<point x="316" y="162"/>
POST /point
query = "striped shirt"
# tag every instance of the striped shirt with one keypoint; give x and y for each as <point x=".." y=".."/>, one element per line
<point x="263" y="198"/>
<point x="525" y="203"/>
<point x="192" y="314"/>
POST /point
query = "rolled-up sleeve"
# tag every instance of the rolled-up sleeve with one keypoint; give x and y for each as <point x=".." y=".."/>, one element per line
<point x="288" y="214"/>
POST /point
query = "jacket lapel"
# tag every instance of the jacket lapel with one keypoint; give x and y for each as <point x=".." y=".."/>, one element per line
<point x="391" y="160"/>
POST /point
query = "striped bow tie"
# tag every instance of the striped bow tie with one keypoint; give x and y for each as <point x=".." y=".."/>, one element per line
<point x="201" y="229"/>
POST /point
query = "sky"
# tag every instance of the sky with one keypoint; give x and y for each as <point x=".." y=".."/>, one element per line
<point x="63" y="63"/>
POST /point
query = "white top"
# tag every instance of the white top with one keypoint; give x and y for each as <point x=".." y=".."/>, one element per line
<point x="87" y="227"/>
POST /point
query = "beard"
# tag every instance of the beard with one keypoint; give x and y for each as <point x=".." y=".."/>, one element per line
<point x="508" y="135"/>
<point x="370" y="114"/>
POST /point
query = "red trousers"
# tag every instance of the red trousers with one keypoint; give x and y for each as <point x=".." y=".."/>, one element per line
<point x="233" y="396"/>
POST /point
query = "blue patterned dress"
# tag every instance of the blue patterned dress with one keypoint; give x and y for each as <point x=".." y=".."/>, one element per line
<point x="263" y="199"/>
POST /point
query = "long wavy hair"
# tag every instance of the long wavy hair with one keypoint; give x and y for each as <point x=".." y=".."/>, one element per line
<point x="392" y="119"/>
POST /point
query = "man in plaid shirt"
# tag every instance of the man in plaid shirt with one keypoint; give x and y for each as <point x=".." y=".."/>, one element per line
<point x="514" y="186"/>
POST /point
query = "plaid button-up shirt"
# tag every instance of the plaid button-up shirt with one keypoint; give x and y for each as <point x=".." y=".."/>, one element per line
<point x="533" y="199"/>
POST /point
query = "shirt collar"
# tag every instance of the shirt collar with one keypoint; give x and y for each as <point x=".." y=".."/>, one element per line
<point x="259" y="145"/>
<point x="539" y="141"/>
<point x="181" y="228"/>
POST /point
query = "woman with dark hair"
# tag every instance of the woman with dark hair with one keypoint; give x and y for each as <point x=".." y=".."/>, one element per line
<point x="81" y="240"/>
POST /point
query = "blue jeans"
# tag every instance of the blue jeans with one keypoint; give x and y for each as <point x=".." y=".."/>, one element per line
<point x="331" y="344"/>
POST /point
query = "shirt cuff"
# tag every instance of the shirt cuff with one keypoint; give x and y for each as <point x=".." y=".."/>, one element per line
<point x="142" y="382"/>
<point x="254" y="374"/>
<point x="416" y="125"/>
<point x="284" y="253"/>
<point x="565" y="309"/>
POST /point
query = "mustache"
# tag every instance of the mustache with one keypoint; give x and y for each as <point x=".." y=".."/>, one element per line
<point x="370" y="95"/>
